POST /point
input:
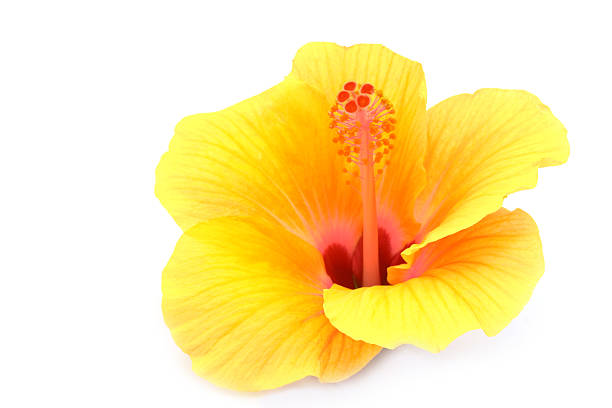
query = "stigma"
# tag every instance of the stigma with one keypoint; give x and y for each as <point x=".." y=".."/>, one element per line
<point x="361" y="110"/>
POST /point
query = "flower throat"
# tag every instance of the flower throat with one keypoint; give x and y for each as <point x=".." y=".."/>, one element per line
<point x="363" y="122"/>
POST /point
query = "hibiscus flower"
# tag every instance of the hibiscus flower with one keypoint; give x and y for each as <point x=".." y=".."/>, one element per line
<point x="334" y="215"/>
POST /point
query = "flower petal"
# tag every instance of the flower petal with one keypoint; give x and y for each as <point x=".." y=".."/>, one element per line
<point x="483" y="147"/>
<point x="327" y="66"/>
<point x="270" y="156"/>
<point x="480" y="277"/>
<point x="244" y="300"/>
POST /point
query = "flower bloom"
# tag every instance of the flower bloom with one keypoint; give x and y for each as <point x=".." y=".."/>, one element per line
<point x="334" y="215"/>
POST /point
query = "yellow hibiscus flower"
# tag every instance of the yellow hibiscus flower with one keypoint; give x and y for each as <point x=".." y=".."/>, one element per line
<point x="334" y="215"/>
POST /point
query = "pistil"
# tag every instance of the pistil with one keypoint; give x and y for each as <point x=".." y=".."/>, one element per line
<point x="364" y="122"/>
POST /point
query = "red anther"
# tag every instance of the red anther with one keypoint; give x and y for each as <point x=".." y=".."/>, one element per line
<point x="350" y="86"/>
<point x="367" y="89"/>
<point x="351" y="107"/>
<point x="363" y="101"/>
<point x="343" y="96"/>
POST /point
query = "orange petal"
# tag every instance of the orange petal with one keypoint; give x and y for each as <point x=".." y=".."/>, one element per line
<point x="271" y="156"/>
<point x="327" y="66"/>
<point x="483" y="147"/>
<point x="244" y="300"/>
<point x="480" y="277"/>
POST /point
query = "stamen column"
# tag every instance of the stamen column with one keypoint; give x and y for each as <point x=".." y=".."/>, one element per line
<point x="371" y="274"/>
<point x="363" y="122"/>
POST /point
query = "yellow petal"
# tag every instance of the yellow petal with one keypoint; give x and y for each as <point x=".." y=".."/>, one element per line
<point x="483" y="147"/>
<point x="270" y="156"/>
<point x="327" y="66"/>
<point x="480" y="277"/>
<point x="244" y="301"/>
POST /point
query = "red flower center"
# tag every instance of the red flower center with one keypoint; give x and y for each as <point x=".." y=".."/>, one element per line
<point x="345" y="266"/>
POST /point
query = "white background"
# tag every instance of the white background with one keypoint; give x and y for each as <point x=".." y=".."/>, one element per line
<point x="89" y="96"/>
